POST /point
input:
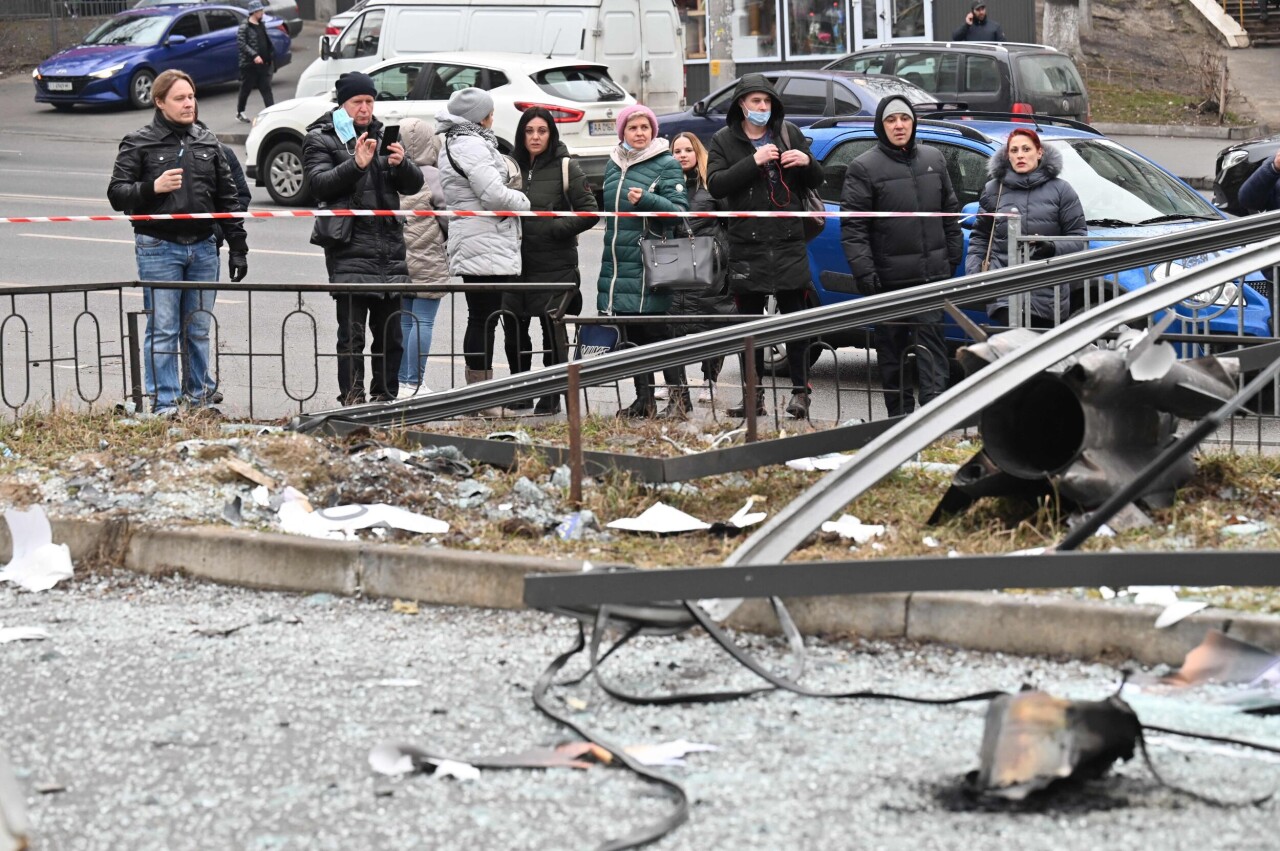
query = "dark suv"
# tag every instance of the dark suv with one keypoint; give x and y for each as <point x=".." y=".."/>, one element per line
<point x="1019" y="78"/>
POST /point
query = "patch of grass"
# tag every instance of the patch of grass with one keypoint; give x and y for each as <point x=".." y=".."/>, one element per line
<point x="1121" y="103"/>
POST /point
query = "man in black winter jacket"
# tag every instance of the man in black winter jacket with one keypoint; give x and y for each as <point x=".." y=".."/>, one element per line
<point x="900" y="175"/>
<point x="257" y="59"/>
<point x="175" y="165"/>
<point x="976" y="27"/>
<point x="759" y="161"/>
<point x="345" y="171"/>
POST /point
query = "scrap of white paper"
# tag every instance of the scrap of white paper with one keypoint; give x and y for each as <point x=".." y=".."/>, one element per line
<point x="662" y="519"/>
<point x="459" y="770"/>
<point x="745" y="517"/>
<point x="38" y="564"/>
<point x="261" y="496"/>
<point x="1178" y="611"/>
<point x="341" y="521"/>
<point x="386" y="758"/>
<point x="666" y="753"/>
<point x="22" y="633"/>
<point x="849" y="526"/>
<point x="830" y="461"/>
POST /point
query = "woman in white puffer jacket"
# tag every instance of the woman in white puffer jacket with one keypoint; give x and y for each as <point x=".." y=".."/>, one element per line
<point x="483" y="249"/>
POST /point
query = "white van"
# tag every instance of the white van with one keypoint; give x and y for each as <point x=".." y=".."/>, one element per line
<point x="639" y="40"/>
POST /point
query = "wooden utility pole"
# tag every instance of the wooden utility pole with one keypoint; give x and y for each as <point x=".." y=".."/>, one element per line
<point x="720" y="42"/>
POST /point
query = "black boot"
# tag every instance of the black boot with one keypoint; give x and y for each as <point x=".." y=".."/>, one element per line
<point x="678" y="404"/>
<point x="547" y="405"/>
<point x="740" y="411"/>
<point x="644" y="407"/>
<point x="798" y="407"/>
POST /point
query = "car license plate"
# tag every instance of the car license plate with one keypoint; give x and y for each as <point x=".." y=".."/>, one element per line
<point x="59" y="87"/>
<point x="603" y="128"/>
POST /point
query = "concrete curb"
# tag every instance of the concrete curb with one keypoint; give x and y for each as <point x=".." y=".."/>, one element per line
<point x="1180" y="131"/>
<point x="1007" y="623"/>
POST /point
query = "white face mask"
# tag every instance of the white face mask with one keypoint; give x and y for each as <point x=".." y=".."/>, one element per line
<point x="759" y="119"/>
<point x="343" y="125"/>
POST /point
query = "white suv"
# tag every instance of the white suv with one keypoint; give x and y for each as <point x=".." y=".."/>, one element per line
<point x="581" y="96"/>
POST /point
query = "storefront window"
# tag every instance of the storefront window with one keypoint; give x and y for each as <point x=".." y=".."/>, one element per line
<point x="817" y="27"/>
<point x="756" y="35"/>
<point x="693" y="18"/>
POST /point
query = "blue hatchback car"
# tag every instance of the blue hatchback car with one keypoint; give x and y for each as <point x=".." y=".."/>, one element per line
<point x="1125" y="196"/>
<point x="118" y="61"/>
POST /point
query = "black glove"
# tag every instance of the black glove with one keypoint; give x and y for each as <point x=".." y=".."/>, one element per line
<point x="238" y="266"/>
<point x="1041" y="250"/>
<point x="871" y="286"/>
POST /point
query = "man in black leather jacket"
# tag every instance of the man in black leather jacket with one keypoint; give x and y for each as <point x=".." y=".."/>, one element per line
<point x="174" y="165"/>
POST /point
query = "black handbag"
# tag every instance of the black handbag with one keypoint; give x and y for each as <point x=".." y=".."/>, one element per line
<point x="681" y="263"/>
<point x="329" y="231"/>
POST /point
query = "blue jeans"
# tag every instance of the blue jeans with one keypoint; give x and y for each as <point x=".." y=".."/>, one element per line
<point x="179" y="319"/>
<point x="416" y="324"/>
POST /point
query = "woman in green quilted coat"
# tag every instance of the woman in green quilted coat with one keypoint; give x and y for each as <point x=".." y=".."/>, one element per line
<point x="641" y="176"/>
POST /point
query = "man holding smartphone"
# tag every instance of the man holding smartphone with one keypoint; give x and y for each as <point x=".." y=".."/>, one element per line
<point x="346" y="170"/>
<point x="175" y="165"/>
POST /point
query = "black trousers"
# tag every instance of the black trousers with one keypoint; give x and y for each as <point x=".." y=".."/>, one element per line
<point x="519" y="309"/>
<point x="483" y="310"/>
<point x="789" y="301"/>
<point x="919" y="335"/>
<point x="381" y="315"/>
<point x="255" y="77"/>
<point x="643" y="334"/>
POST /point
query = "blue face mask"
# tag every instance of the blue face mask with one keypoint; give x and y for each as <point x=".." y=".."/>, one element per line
<point x="759" y="119"/>
<point x="626" y="146"/>
<point x="343" y="125"/>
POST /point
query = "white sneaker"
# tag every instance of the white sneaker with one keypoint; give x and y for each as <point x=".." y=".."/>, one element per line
<point x="660" y="391"/>
<point x="407" y="391"/>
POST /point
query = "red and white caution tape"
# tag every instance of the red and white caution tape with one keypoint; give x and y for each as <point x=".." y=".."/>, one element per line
<point x="537" y="214"/>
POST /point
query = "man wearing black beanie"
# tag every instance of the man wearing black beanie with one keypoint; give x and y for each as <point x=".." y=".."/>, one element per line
<point x="977" y="27"/>
<point x="345" y="171"/>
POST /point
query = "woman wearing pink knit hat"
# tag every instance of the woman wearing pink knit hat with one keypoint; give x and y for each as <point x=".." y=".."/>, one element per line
<point x="641" y="176"/>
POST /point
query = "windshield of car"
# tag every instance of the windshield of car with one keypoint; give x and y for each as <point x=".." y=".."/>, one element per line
<point x="585" y="84"/>
<point x="130" y="29"/>
<point x="1116" y="184"/>
<point x="882" y="87"/>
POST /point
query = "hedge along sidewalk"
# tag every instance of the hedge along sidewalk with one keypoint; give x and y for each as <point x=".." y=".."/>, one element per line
<point x="988" y="621"/>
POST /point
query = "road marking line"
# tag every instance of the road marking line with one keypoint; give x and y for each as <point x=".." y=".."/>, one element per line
<point x="53" y="198"/>
<point x="48" y="171"/>
<point x="130" y="242"/>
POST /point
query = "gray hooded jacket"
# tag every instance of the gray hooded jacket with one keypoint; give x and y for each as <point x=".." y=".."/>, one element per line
<point x="1047" y="205"/>
<point x="485" y="245"/>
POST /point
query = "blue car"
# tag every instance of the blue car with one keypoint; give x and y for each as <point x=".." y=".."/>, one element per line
<point x="809" y="95"/>
<point x="1125" y="196"/>
<point x="118" y="61"/>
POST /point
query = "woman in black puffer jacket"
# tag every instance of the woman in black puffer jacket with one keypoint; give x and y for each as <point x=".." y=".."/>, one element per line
<point x="1024" y="180"/>
<point x="692" y="156"/>
<point x="549" y="250"/>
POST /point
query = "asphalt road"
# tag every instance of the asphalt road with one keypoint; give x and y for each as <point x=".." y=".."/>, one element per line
<point x="146" y="729"/>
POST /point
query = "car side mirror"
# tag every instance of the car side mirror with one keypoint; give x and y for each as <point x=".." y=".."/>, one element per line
<point x="325" y="52"/>
<point x="175" y="40"/>
<point x="971" y="215"/>
<point x="700" y="108"/>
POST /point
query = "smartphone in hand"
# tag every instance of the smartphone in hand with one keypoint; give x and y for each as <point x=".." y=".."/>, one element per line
<point x="390" y="135"/>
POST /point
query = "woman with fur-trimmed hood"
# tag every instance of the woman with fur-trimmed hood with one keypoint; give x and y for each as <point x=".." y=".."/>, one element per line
<point x="1025" y="180"/>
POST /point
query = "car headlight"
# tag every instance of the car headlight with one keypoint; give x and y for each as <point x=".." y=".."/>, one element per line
<point x="107" y="72"/>
<point x="1234" y="159"/>
<point x="35" y="74"/>
<point x="1221" y="296"/>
